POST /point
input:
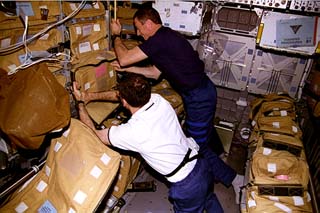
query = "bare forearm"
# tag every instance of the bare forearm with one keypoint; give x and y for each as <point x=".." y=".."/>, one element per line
<point x="85" y="118"/>
<point x="120" y="49"/>
<point x="149" y="72"/>
<point x="103" y="96"/>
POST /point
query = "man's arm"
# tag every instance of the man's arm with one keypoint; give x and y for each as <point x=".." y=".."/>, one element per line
<point x="127" y="56"/>
<point x="90" y="96"/>
<point x="85" y="118"/>
<point x="149" y="72"/>
<point x="103" y="96"/>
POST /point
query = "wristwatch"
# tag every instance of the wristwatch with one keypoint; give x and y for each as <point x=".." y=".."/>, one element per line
<point x="80" y="102"/>
<point x="113" y="37"/>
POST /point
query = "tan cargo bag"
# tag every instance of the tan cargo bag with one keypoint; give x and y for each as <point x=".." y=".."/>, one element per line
<point x="91" y="9"/>
<point x="32" y="104"/>
<point x="98" y="78"/>
<point x="276" y="108"/>
<point x="165" y="90"/>
<point x="256" y="103"/>
<point x="77" y="174"/>
<point x="276" y="204"/>
<point x="129" y="167"/>
<point x="282" y="143"/>
<point x="273" y="167"/>
<point x="281" y="125"/>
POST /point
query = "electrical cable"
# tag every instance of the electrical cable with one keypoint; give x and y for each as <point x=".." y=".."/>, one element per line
<point x="42" y="32"/>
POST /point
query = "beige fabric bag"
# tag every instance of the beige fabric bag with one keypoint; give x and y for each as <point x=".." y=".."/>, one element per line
<point x="273" y="167"/>
<point x="77" y="174"/>
<point x="256" y="103"/>
<point x="97" y="78"/>
<point x="32" y="104"/>
<point x="89" y="48"/>
<point x="281" y="142"/>
<point x="89" y="10"/>
<point x="281" y="125"/>
<point x="165" y="90"/>
<point x="277" y="204"/>
<point x="276" y="108"/>
<point x="129" y="167"/>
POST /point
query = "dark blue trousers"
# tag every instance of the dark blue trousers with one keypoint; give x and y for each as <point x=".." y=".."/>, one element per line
<point x="194" y="194"/>
<point x="200" y="106"/>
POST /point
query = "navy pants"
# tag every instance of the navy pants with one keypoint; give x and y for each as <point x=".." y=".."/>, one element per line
<point x="194" y="193"/>
<point x="200" y="106"/>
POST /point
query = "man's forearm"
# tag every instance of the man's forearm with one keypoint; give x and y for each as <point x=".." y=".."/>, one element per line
<point x="120" y="48"/>
<point x="103" y="96"/>
<point x="85" y="118"/>
<point x="149" y="72"/>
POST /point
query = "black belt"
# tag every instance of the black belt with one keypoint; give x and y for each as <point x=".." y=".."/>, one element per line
<point x="185" y="160"/>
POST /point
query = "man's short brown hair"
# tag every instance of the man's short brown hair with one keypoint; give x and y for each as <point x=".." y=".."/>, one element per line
<point x="135" y="89"/>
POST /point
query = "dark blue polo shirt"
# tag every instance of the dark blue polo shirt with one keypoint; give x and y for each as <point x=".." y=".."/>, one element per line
<point x="175" y="57"/>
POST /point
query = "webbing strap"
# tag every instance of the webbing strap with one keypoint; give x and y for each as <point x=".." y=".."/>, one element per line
<point x="185" y="160"/>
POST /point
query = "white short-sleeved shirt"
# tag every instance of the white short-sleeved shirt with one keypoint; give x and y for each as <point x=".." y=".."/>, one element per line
<point x="155" y="132"/>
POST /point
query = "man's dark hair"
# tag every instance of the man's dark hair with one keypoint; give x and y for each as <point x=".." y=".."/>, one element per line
<point x="135" y="89"/>
<point x="146" y="12"/>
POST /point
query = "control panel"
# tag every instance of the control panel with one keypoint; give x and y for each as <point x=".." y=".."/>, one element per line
<point x="305" y="5"/>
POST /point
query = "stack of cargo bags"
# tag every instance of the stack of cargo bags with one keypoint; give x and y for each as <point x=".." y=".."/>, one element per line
<point x="278" y="171"/>
<point x="40" y="15"/>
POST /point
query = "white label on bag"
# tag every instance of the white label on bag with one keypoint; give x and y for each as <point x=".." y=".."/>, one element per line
<point x="22" y="207"/>
<point x="87" y="30"/>
<point x="298" y="201"/>
<point x="95" y="46"/>
<point x="48" y="171"/>
<point x="252" y="203"/>
<point x="71" y="210"/>
<point x="283" y="113"/>
<point x="78" y="31"/>
<point x="41" y="186"/>
<point x="57" y="146"/>
<point x="105" y="158"/>
<point x="87" y="86"/>
<point x="120" y="177"/>
<point x="5" y="42"/>
<point x="283" y="207"/>
<point x="272" y="167"/>
<point x="116" y="188"/>
<point x="111" y="73"/>
<point x="84" y="47"/>
<point x="266" y="151"/>
<point x="253" y="123"/>
<point x="96" y="172"/>
<point x="80" y="197"/>
<point x="96" y="27"/>
<point x="276" y="125"/>
<point x="294" y="129"/>
<point x="273" y="198"/>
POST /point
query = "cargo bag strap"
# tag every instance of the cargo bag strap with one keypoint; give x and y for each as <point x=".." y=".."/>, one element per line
<point x="185" y="160"/>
